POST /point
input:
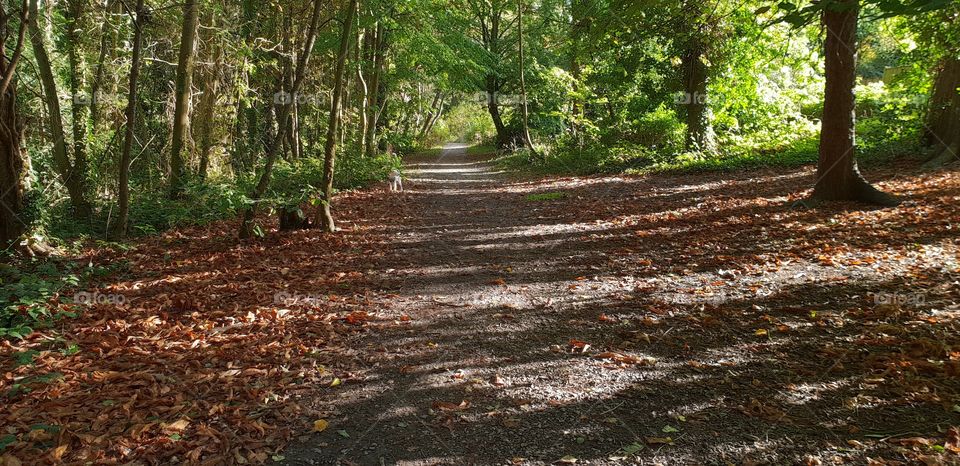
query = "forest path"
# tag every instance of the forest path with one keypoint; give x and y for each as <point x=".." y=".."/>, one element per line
<point x="611" y="319"/>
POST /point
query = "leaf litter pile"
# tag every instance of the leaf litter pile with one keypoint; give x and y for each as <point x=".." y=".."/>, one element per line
<point x="674" y="319"/>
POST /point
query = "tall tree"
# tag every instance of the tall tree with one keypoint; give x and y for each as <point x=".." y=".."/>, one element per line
<point x="700" y="135"/>
<point x="248" y="216"/>
<point x="374" y="96"/>
<point x="490" y="26"/>
<point x="118" y="229"/>
<point x="183" y="91"/>
<point x="72" y="173"/>
<point x="525" y="109"/>
<point x="12" y="164"/>
<point x="330" y="147"/>
<point x="838" y="177"/>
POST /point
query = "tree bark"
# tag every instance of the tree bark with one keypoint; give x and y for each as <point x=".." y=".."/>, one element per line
<point x="118" y="229"/>
<point x="208" y="105"/>
<point x="525" y="110"/>
<point x="838" y="177"/>
<point x="79" y="108"/>
<point x="184" y="85"/>
<point x="700" y="136"/>
<point x="69" y="173"/>
<point x="942" y="130"/>
<point x="330" y="149"/>
<point x="374" y="94"/>
<point x="12" y="166"/>
<point x="249" y="214"/>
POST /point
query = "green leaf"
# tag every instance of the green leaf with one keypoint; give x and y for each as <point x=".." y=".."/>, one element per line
<point x="6" y="440"/>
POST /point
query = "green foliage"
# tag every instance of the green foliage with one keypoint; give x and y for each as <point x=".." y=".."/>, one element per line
<point x="30" y="292"/>
<point x="298" y="182"/>
<point x="466" y="122"/>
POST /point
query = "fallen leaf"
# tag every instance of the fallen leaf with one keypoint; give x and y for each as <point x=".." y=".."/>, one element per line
<point x="659" y="440"/>
<point x="320" y="425"/>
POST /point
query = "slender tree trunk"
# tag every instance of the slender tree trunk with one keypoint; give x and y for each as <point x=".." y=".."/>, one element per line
<point x="435" y="116"/>
<point x="118" y="229"/>
<point x="330" y="149"/>
<point x="12" y="166"/>
<point x="525" y="110"/>
<point x="105" y="50"/>
<point x="434" y="109"/>
<point x="184" y="85"/>
<point x="838" y="177"/>
<point x="69" y="173"/>
<point x="249" y="215"/>
<point x="374" y="96"/>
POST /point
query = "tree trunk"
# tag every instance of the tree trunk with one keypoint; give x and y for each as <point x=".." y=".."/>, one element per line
<point x="942" y="130"/>
<point x="72" y="179"/>
<point x="118" y="229"/>
<point x="12" y="170"/>
<point x="330" y="149"/>
<point x="700" y="136"/>
<point x="184" y="85"/>
<point x="12" y="166"/>
<point x="249" y="214"/>
<point x="105" y="50"/>
<point x="579" y="34"/>
<point x="493" y="107"/>
<point x="79" y="108"/>
<point x="525" y="110"/>
<point x="208" y="105"/>
<point x="434" y="109"/>
<point x="838" y="177"/>
<point x="374" y="96"/>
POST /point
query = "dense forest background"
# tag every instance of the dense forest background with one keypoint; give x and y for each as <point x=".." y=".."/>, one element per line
<point x="127" y="118"/>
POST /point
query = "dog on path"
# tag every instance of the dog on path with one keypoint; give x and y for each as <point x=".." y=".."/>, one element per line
<point x="396" y="181"/>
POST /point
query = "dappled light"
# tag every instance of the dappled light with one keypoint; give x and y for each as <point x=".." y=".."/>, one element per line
<point x="688" y="326"/>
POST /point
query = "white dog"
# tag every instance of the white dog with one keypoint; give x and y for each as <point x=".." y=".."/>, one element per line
<point x="396" y="181"/>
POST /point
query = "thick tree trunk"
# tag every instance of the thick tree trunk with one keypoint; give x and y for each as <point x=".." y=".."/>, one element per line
<point x="330" y="149"/>
<point x="79" y="108"/>
<point x="700" y="136"/>
<point x="184" y="85"/>
<point x="942" y="131"/>
<point x="70" y="174"/>
<point x="118" y="229"/>
<point x="12" y="169"/>
<point x="248" y="215"/>
<point x="208" y="105"/>
<point x="838" y="178"/>
<point x="12" y="166"/>
<point x="579" y="35"/>
<point x="943" y="106"/>
<point x="493" y="107"/>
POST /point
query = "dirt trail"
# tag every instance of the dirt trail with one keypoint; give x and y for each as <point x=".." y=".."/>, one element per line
<point x="496" y="295"/>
